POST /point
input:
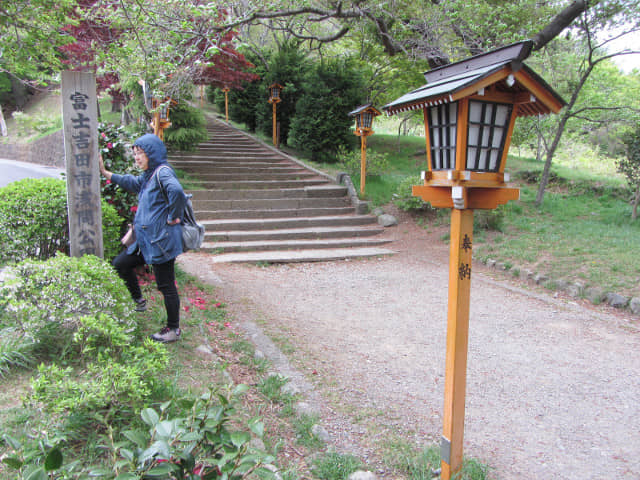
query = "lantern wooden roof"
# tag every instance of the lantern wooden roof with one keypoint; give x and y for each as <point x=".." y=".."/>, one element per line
<point x="364" y="108"/>
<point x="498" y="76"/>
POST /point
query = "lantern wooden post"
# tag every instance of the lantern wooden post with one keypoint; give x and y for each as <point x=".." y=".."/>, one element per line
<point x="226" y="103"/>
<point x="363" y="162"/>
<point x="364" y="116"/>
<point x="469" y="114"/>
<point x="275" y="126"/>
<point x="457" y="339"/>
<point x="274" y="99"/>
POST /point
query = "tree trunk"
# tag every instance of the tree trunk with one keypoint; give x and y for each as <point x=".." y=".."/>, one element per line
<point x="3" y="125"/>
<point x="559" y="131"/>
<point x="546" y="171"/>
<point x="636" y="201"/>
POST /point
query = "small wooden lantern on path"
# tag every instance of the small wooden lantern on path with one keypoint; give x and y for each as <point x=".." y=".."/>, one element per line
<point x="364" y="123"/>
<point x="274" y="98"/>
<point x="470" y="109"/>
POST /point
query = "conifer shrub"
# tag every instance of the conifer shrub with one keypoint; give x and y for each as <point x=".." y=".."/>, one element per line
<point x="34" y="221"/>
<point x="321" y="124"/>
<point x="188" y="128"/>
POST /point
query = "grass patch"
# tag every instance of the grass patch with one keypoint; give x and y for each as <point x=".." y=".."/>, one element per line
<point x="303" y="426"/>
<point x="335" y="466"/>
<point x="573" y="236"/>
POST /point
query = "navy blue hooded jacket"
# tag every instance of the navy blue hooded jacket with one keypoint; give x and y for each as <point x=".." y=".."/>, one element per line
<point x="158" y="241"/>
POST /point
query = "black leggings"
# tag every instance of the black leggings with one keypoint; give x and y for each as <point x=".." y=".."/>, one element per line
<point x="125" y="265"/>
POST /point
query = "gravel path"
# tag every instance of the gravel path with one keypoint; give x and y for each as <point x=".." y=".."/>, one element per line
<point x="553" y="385"/>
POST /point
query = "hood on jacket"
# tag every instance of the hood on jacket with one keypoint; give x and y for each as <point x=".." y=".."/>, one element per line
<point x="154" y="148"/>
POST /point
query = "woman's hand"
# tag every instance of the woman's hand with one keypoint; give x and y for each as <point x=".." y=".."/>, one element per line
<point x="105" y="173"/>
<point x="175" y="221"/>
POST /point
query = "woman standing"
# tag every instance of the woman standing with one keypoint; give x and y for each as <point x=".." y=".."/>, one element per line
<point x="158" y="236"/>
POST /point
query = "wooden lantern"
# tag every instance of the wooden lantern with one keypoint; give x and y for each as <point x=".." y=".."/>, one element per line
<point x="161" y="115"/>
<point x="364" y="116"/>
<point x="469" y="110"/>
<point x="274" y="98"/>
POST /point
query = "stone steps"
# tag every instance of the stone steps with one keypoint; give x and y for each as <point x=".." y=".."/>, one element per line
<point x="285" y="223"/>
<point x="259" y="205"/>
<point x="267" y="245"/>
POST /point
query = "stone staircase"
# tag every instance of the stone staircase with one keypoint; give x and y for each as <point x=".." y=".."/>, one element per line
<point x="260" y="205"/>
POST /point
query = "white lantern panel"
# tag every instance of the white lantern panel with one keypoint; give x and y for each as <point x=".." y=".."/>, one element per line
<point x="486" y="135"/>
<point x="442" y="134"/>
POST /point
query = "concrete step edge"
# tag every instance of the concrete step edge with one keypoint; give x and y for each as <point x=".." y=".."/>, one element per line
<point x="298" y="256"/>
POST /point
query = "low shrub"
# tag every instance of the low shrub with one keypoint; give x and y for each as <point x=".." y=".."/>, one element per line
<point x="77" y="312"/>
<point x="195" y="443"/>
<point x="114" y="374"/>
<point x="403" y="197"/>
<point x="43" y="302"/>
<point x="350" y="161"/>
<point x="34" y="221"/>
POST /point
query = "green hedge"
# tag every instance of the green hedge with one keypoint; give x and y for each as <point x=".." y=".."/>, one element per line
<point x="34" y="221"/>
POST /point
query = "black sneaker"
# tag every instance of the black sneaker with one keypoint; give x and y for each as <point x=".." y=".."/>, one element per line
<point x="167" y="335"/>
<point x="141" y="305"/>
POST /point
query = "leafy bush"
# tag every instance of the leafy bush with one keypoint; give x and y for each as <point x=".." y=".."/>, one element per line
<point x="34" y="221"/>
<point x="188" y="128"/>
<point x="78" y="312"/>
<point x="43" y="302"/>
<point x="350" y="160"/>
<point x="403" y="197"/>
<point x="114" y="144"/>
<point x="196" y="444"/>
<point x="116" y="373"/>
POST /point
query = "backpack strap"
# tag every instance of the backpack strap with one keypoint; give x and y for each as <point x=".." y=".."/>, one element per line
<point x="155" y="174"/>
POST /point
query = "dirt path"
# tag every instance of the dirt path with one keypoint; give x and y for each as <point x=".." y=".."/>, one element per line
<point x="553" y="385"/>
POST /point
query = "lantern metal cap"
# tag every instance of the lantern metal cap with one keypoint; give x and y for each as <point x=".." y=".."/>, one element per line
<point x="501" y="69"/>
<point x="364" y="108"/>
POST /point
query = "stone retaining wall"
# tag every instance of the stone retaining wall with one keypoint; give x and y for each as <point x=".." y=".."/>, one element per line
<point x="47" y="151"/>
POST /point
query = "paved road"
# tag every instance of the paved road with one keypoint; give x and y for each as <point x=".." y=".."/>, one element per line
<point x="12" y="170"/>
<point x="553" y="383"/>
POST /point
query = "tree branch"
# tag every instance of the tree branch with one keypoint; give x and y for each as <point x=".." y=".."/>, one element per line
<point x="559" y="23"/>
